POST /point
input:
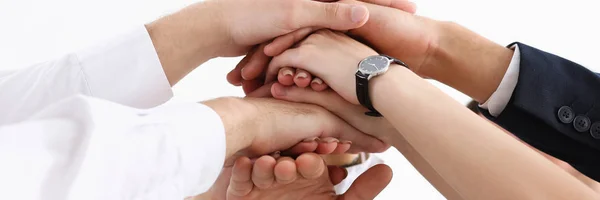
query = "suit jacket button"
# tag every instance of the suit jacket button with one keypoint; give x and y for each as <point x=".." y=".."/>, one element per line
<point x="582" y="123"/>
<point x="566" y="114"/>
<point x="595" y="130"/>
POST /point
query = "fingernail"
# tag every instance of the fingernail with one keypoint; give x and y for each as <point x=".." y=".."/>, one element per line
<point x="280" y="91"/>
<point x="276" y="154"/>
<point x="317" y="81"/>
<point x="346" y="142"/>
<point x="330" y="140"/>
<point x="310" y="139"/>
<point x="358" y="13"/>
<point x="301" y="75"/>
<point x="287" y="72"/>
<point x="242" y="73"/>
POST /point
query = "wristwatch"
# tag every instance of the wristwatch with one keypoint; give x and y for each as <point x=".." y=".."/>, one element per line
<point x="368" y="68"/>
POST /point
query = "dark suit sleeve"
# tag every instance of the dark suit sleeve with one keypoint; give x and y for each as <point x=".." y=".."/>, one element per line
<point x="546" y="84"/>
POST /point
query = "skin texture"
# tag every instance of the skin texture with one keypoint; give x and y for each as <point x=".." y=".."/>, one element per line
<point x="233" y="27"/>
<point x="249" y="72"/>
<point x="306" y="177"/>
<point x="452" y="147"/>
<point x="258" y="126"/>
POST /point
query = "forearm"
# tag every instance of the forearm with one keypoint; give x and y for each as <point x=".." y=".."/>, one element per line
<point x="465" y="150"/>
<point x="186" y="39"/>
<point x="467" y="61"/>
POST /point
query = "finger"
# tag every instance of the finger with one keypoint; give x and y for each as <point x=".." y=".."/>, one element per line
<point x="334" y="103"/>
<point x="308" y="145"/>
<point x="327" y="145"/>
<point x="285" y="170"/>
<point x="287" y="58"/>
<point x="404" y="5"/>
<point x="336" y="174"/>
<point x="280" y="44"/>
<point x="235" y="76"/>
<point x="262" y="172"/>
<point x="250" y="86"/>
<point x="302" y="78"/>
<point x="241" y="183"/>
<point x="337" y="16"/>
<point x="286" y="76"/>
<point x="262" y="92"/>
<point x="342" y="147"/>
<point x="317" y="84"/>
<point x="327" y="99"/>
<point x="256" y="65"/>
<point x="310" y="166"/>
<point x="369" y="184"/>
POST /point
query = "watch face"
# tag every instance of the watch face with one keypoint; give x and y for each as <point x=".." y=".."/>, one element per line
<point x="373" y="64"/>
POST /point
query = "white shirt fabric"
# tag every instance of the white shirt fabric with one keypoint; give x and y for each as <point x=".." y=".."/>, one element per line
<point x="355" y="171"/>
<point x="500" y="98"/>
<point x="95" y="125"/>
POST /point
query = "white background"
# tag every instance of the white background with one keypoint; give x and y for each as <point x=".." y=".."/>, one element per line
<point x="32" y="31"/>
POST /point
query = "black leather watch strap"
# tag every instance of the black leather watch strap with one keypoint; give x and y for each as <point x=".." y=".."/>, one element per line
<point x="362" y="93"/>
<point x="395" y="61"/>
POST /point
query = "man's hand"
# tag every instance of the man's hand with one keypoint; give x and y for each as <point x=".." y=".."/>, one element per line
<point x="258" y="126"/>
<point x="307" y="177"/>
<point x="330" y="100"/>
<point x="391" y="25"/>
<point x="218" y="191"/>
<point x="444" y="51"/>
<point x="216" y="28"/>
<point x="389" y="31"/>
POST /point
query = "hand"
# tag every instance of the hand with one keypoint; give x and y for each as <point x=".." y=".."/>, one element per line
<point x="331" y="56"/>
<point x="217" y="28"/>
<point x="328" y="99"/>
<point x="252" y="66"/>
<point x="307" y="177"/>
<point x="258" y="126"/>
<point x="218" y="191"/>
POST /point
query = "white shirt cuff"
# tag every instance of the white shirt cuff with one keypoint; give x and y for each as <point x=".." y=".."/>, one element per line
<point x="500" y="98"/>
<point x="202" y="155"/>
<point x="126" y="70"/>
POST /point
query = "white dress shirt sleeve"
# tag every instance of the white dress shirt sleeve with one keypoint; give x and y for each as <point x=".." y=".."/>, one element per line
<point x="87" y="148"/>
<point x="125" y="70"/>
<point x="61" y="137"/>
<point x="500" y="98"/>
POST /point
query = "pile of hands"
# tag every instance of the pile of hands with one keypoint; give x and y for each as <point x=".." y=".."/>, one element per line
<point x="298" y="74"/>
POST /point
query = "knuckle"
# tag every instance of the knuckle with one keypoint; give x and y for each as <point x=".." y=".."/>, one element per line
<point x="331" y="10"/>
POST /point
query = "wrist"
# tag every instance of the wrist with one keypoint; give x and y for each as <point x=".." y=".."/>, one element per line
<point x="237" y="116"/>
<point x="185" y="39"/>
<point x="467" y="61"/>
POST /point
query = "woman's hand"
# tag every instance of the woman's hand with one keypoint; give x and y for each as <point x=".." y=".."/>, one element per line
<point x="331" y="56"/>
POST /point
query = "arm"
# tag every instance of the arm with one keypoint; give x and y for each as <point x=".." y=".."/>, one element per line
<point x="138" y="68"/>
<point x="449" y="145"/>
<point x="78" y="149"/>
<point x="545" y="84"/>
<point x="465" y="151"/>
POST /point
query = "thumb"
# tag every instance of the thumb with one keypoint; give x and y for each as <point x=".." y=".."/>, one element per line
<point x="369" y="184"/>
<point x="336" y="16"/>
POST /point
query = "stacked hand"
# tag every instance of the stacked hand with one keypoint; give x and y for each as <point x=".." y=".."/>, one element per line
<point x="389" y="30"/>
<point x="306" y="177"/>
